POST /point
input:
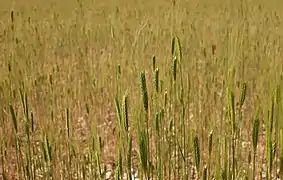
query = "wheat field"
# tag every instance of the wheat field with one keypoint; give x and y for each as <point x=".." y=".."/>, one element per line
<point x="161" y="90"/>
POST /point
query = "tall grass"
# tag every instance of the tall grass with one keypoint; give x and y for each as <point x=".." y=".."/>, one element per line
<point x="141" y="90"/>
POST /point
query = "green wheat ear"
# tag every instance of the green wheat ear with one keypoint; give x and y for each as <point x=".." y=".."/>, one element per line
<point x="196" y="152"/>
<point x="32" y="121"/>
<point x="142" y="145"/>
<point x="119" y="71"/>
<point x="67" y="122"/>
<point x="210" y="142"/>
<point x="204" y="173"/>
<point x="125" y="113"/>
<point x="157" y="123"/>
<point x="165" y="99"/>
<point x="144" y="91"/>
<point x="176" y="49"/>
<point x="12" y="16"/>
<point x="153" y="63"/>
<point x="156" y="80"/>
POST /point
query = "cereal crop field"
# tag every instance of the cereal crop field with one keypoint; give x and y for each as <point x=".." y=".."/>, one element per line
<point x="154" y="90"/>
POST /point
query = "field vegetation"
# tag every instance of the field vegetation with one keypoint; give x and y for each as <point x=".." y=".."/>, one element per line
<point x="141" y="89"/>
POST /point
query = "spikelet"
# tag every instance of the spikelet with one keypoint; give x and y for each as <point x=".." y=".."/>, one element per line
<point x="157" y="126"/>
<point x="125" y="113"/>
<point x="153" y="63"/>
<point x="204" y="176"/>
<point x="144" y="91"/>
<point x="210" y="142"/>
<point x="196" y="152"/>
<point x="156" y="80"/>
